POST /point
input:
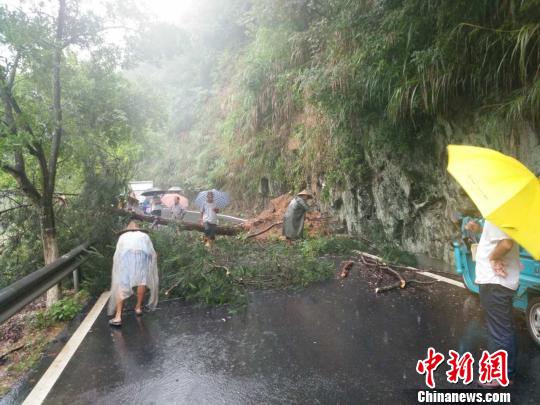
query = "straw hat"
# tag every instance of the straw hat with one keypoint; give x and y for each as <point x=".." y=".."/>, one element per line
<point x="131" y="227"/>
<point x="305" y="193"/>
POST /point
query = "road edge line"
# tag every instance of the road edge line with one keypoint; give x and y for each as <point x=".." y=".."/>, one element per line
<point x="442" y="278"/>
<point x="49" y="378"/>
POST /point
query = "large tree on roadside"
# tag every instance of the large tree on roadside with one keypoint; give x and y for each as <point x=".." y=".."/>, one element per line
<point x="35" y="44"/>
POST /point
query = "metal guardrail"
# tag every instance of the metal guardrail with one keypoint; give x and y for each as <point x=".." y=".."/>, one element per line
<point x="22" y="292"/>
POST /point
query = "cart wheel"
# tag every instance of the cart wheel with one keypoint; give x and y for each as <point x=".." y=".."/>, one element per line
<point x="533" y="319"/>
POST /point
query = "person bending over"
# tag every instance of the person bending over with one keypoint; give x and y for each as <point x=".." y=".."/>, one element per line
<point x="134" y="265"/>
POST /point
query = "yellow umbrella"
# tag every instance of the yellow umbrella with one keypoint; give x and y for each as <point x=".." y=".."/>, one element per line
<point x="504" y="190"/>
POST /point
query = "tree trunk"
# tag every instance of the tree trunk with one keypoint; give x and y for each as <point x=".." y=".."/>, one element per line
<point x="42" y="201"/>
<point x="230" y="230"/>
<point x="48" y="228"/>
<point x="50" y="249"/>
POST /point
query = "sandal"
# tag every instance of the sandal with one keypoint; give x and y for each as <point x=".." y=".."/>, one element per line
<point x="112" y="322"/>
<point x="139" y="312"/>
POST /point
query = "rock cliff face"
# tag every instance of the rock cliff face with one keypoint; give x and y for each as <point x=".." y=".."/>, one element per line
<point x="410" y="199"/>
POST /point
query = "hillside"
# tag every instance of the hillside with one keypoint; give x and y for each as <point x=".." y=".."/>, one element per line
<point x="357" y="101"/>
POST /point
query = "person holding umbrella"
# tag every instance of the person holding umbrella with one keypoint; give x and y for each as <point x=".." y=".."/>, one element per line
<point x="210" y="202"/>
<point x="155" y="205"/>
<point x="177" y="210"/>
<point x="208" y="219"/>
<point x="508" y="195"/>
<point x="497" y="274"/>
<point x="176" y="202"/>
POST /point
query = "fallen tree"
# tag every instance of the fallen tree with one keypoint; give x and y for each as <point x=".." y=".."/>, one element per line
<point x="184" y="226"/>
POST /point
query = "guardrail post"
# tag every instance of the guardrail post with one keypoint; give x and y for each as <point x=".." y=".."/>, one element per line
<point x="76" y="277"/>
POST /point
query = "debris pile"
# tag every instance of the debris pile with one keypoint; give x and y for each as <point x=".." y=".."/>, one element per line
<point x="268" y="224"/>
<point x="377" y="267"/>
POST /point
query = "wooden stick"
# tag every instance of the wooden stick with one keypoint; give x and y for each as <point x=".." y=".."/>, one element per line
<point x="388" y="287"/>
<point x="172" y="287"/>
<point x="264" y="230"/>
<point x="381" y="260"/>
<point x="345" y="268"/>
<point x="402" y="282"/>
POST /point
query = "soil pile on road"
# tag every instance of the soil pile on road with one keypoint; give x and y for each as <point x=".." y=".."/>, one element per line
<point x="268" y="224"/>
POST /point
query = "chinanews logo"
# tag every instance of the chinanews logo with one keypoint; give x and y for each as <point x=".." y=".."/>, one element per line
<point x="461" y="397"/>
<point x="492" y="367"/>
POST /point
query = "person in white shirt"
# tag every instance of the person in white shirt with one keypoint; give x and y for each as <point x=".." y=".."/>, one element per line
<point x="177" y="211"/>
<point x="209" y="219"/>
<point x="497" y="274"/>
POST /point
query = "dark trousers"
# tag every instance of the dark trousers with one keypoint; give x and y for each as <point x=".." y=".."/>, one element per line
<point x="497" y="303"/>
<point x="210" y="230"/>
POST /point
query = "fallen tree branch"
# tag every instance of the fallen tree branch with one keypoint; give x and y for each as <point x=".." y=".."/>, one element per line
<point x="264" y="230"/>
<point x="345" y="268"/>
<point x="15" y="208"/>
<point x="225" y="268"/>
<point x="185" y="226"/>
<point x="172" y="287"/>
<point x="388" y="287"/>
<point x="402" y="282"/>
<point x="214" y="266"/>
<point x="378" y="262"/>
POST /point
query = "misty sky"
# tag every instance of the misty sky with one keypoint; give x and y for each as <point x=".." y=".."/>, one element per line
<point x="184" y="13"/>
<point x="173" y="11"/>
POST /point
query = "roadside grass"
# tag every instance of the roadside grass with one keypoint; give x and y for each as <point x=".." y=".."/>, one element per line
<point x="28" y="335"/>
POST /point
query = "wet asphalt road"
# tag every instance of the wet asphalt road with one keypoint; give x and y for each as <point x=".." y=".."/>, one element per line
<point x="334" y="342"/>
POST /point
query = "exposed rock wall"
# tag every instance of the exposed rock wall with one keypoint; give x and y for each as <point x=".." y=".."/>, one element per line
<point x="411" y="200"/>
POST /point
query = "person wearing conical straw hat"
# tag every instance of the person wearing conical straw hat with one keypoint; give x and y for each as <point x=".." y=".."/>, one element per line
<point x="134" y="265"/>
<point x="293" y="220"/>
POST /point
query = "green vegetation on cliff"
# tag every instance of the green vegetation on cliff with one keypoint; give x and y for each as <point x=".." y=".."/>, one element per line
<point x="314" y="84"/>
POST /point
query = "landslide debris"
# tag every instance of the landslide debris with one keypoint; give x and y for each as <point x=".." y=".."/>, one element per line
<point x="268" y="224"/>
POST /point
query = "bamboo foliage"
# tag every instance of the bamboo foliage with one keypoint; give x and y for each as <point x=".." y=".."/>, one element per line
<point x="489" y="64"/>
<point x="395" y="66"/>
